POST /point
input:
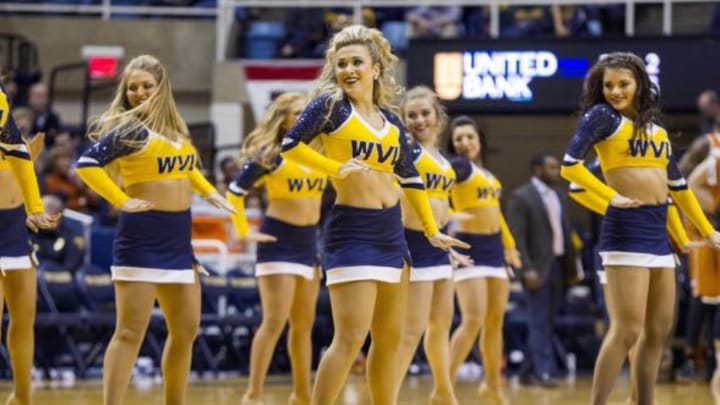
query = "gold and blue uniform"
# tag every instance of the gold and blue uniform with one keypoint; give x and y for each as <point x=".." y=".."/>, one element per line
<point x="599" y="206"/>
<point x="152" y="246"/>
<point x="361" y="243"/>
<point x="15" y="249"/>
<point x="16" y="157"/>
<point x="429" y="262"/>
<point x="295" y="250"/>
<point x="633" y="236"/>
<point x="476" y="188"/>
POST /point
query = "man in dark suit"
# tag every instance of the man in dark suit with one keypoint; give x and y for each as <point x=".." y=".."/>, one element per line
<point x="537" y="218"/>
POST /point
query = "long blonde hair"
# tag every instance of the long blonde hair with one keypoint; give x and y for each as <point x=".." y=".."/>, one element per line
<point x="263" y="142"/>
<point x="384" y="88"/>
<point x="158" y="112"/>
<point x="424" y="92"/>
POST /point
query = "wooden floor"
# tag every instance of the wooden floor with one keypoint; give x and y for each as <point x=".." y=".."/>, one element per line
<point x="415" y="392"/>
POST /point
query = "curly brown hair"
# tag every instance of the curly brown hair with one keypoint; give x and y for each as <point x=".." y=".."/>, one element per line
<point x="647" y="95"/>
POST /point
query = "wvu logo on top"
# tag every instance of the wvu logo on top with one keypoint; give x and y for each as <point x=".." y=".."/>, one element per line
<point x="365" y="149"/>
<point x="487" y="193"/>
<point x="641" y="148"/>
<point x="297" y="184"/>
<point x="167" y="164"/>
<point x="434" y="181"/>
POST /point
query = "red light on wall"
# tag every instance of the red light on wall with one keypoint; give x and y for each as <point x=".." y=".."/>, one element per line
<point x="102" y="67"/>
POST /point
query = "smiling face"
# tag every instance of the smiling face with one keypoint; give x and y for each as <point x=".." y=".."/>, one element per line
<point x="355" y="70"/>
<point x="421" y="119"/>
<point x="141" y="85"/>
<point x="466" y="141"/>
<point x="620" y="89"/>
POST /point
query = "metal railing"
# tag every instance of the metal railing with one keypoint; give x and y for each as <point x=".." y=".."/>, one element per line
<point x="225" y="10"/>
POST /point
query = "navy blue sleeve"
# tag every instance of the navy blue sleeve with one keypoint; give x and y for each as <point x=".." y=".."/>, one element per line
<point x="676" y="180"/>
<point x="415" y="151"/>
<point x="11" y="142"/>
<point x="462" y="168"/>
<point x="312" y="122"/>
<point x="595" y="169"/>
<point x="111" y="147"/>
<point x="599" y="122"/>
<point x="249" y="174"/>
<point x="404" y="168"/>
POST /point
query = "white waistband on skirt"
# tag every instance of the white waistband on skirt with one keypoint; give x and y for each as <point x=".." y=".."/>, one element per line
<point x="296" y="269"/>
<point x="16" y="263"/>
<point x="385" y="274"/>
<point x="466" y="273"/>
<point x="633" y="259"/>
<point x="153" y="275"/>
<point x="431" y="273"/>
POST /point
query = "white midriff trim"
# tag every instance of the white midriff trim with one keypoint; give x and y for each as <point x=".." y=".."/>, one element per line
<point x="431" y="273"/>
<point x="339" y="275"/>
<point x="296" y="269"/>
<point x="152" y="275"/>
<point x="467" y="273"/>
<point x="634" y="259"/>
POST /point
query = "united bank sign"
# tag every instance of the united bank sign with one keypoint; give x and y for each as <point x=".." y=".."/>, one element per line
<point x="480" y="75"/>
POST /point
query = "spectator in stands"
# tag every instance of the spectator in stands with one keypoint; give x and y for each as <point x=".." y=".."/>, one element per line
<point x="708" y="104"/>
<point x="305" y="31"/>
<point x="548" y="260"/>
<point x="435" y="21"/>
<point x="62" y="248"/>
<point x="523" y="21"/>
<point x="477" y="22"/>
<point x="61" y="181"/>
<point x="612" y="19"/>
<point x="45" y="120"/>
<point x="575" y="20"/>
<point x="229" y="169"/>
<point x="69" y="144"/>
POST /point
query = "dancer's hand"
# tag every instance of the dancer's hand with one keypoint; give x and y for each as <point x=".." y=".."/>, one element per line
<point x="714" y="239"/>
<point x="695" y="244"/>
<point x="458" y="260"/>
<point x="218" y="201"/>
<point x="137" y="205"/>
<point x="259" y="237"/>
<point x="620" y="201"/>
<point x="444" y="242"/>
<point x="352" y="166"/>
<point x="42" y="220"/>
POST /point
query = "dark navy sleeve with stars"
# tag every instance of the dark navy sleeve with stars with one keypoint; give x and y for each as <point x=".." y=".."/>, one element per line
<point x="599" y="122"/>
<point x="404" y="169"/>
<point x="462" y="168"/>
<point x="11" y="142"/>
<point x="415" y="151"/>
<point x="111" y="147"/>
<point x="249" y="174"/>
<point x="314" y="121"/>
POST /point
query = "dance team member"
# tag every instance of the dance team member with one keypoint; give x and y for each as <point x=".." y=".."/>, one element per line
<point x="143" y="140"/>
